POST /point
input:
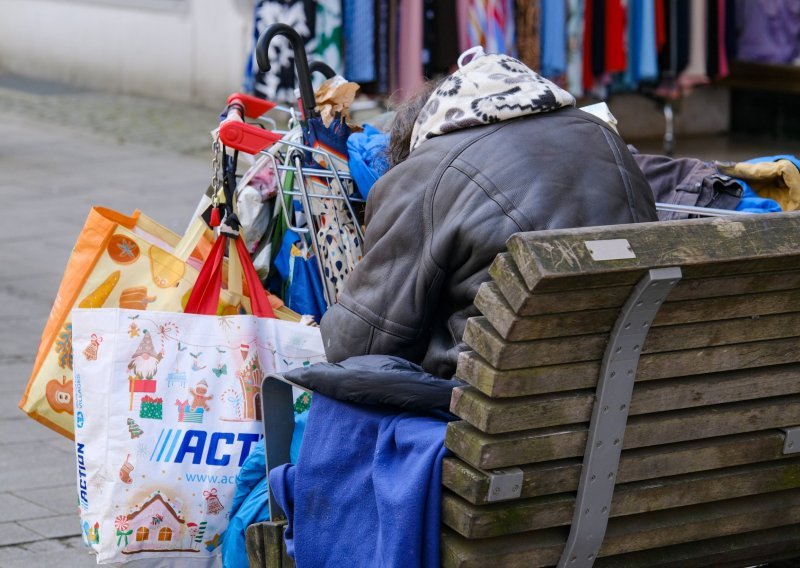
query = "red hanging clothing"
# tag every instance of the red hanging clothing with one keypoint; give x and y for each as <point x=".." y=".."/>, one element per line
<point x="661" y="26"/>
<point x="616" y="57"/>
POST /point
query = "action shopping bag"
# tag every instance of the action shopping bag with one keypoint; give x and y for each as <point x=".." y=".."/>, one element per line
<point x="120" y="261"/>
<point x="167" y="409"/>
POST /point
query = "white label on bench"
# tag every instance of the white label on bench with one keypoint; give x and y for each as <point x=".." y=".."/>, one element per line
<point x="612" y="249"/>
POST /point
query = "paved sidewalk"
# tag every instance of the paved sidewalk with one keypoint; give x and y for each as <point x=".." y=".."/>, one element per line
<point x="61" y="152"/>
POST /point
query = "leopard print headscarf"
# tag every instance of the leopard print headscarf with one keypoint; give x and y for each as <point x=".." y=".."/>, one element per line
<point x="488" y="89"/>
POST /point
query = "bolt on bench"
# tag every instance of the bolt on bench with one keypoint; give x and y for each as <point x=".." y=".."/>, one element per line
<point x="634" y="400"/>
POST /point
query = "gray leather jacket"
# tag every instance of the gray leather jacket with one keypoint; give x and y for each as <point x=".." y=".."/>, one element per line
<point x="436" y="222"/>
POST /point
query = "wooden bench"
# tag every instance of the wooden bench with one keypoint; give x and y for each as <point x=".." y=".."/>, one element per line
<point x="649" y="373"/>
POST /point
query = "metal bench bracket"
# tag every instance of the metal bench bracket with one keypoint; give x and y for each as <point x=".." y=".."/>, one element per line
<point x="504" y="484"/>
<point x="791" y="443"/>
<point x="609" y="417"/>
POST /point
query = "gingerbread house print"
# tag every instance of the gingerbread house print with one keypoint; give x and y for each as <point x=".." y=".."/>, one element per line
<point x="250" y="377"/>
<point x="156" y="527"/>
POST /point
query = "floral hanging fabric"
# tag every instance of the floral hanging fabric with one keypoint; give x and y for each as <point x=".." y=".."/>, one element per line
<point x="278" y="84"/>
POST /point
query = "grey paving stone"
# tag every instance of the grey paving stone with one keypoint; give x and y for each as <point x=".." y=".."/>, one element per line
<point x="67" y="558"/>
<point x="15" y="509"/>
<point x="54" y="527"/>
<point x="14" y="533"/>
<point x="62" y="499"/>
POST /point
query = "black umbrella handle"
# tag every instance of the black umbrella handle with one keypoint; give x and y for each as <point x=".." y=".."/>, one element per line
<point x="300" y="62"/>
<point x="322" y="67"/>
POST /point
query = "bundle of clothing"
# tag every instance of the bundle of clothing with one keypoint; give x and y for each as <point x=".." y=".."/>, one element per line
<point x="368" y="468"/>
<point x="761" y="185"/>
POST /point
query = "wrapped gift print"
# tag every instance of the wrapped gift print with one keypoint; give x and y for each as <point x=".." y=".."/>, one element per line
<point x="165" y="416"/>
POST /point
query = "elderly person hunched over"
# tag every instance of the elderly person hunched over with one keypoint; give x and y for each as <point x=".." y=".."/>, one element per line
<point x="494" y="150"/>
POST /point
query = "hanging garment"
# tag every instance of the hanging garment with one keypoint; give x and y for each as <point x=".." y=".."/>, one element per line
<point x="491" y="24"/>
<point x="661" y="25"/>
<point x="410" y="47"/>
<point x="731" y="30"/>
<point x="696" y="72"/>
<point x="598" y="38"/>
<point x="722" y="55"/>
<point x="278" y="85"/>
<point x="575" y="12"/>
<point x="642" y="59"/>
<point x="588" y="44"/>
<point x="529" y="32"/>
<point x="675" y="55"/>
<point x="382" y="51"/>
<point x="326" y="45"/>
<point x="441" y="52"/>
<point x="769" y="30"/>
<point x="615" y="24"/>
<point x="554" y="38"/>
<point x="359" y="40"/>
<point x="712" y="38"/>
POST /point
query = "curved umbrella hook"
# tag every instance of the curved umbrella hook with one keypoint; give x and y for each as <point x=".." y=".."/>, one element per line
<point x="322" y="67"/>
<point x="300" y="62"/>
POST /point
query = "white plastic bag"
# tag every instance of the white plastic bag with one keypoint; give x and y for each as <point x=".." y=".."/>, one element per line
<point x="167" y="407"/>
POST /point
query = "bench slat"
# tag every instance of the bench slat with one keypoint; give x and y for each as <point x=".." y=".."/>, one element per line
<point x="492" y="451"/>
<point x="552" y="378"/>
<point x="494" y="416"/>
<point x="481" y="336"/>
<point x="513" y="327"/>
<point x="523" y="302"/>
<point x="630" y="533"/>
<point x="526" y="515"/>
<point x="635" y="465"/>
<point x="747" y="549"/>
<point x="708" y="244"/>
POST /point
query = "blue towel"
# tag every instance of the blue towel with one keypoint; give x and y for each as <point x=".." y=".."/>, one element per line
<point x="366" y="490"/>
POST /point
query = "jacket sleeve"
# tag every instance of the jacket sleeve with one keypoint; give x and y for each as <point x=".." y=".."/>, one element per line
<point x="385" y="305"/>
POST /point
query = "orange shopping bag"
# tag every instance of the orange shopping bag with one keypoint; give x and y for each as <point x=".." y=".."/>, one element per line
<point x="118" y="261"/>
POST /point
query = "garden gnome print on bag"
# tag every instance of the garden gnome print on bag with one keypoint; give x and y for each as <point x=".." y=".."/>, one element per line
<point x="143" y="366"/>
<point x="144" y="362"/>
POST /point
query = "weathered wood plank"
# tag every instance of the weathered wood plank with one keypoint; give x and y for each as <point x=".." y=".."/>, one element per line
<point x="549" y="256"/>
<point x="551" y="378"/>
<point x="264" y="544"/>
<point x="523" y="302"/>
<point x="630" y="533"/>
<point x="473" y="369"/>
<point x="748" y="549"/>
<point x="513" y="327"/>
<point x="495" y="416"/>
<point x="492" y="451"/>
<point x="635" y="465"/>
<point x="518" y="516"/>
<point x="481" y="335"/>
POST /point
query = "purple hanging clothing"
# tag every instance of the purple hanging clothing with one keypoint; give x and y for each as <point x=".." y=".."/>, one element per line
<point x="769" y="30"/>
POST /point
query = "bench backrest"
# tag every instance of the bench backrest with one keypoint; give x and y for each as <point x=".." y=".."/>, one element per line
<point x="707" y="473"/>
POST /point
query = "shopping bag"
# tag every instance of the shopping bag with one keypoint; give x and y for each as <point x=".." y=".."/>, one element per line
<point x="166" y="411"/>
<point x="120" y="261"/>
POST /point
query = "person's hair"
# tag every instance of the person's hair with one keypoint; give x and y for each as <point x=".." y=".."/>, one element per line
<point x="403" y="124"/>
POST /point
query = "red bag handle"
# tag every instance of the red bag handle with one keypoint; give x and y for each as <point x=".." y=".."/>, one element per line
<point x="204" y="298"/>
